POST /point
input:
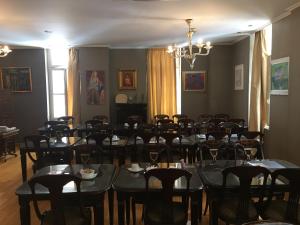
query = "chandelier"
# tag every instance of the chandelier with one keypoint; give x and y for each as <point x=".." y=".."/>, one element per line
<point x="4" y="50"/>
<point x="187" y="52"/>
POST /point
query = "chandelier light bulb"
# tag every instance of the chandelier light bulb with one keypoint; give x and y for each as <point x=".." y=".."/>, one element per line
<point x="4" y="50"/>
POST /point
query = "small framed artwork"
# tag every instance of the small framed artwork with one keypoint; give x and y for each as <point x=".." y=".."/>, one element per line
<point x="239" y="77"/>
<point x="194" y="80"/>
<point x="16" y="79"/>
<point x="127" y="79"/>
<point x="95" y="87"/>
<point x="280" y="76"/>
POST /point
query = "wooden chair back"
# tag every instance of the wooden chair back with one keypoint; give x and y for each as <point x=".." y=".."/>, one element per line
<point x="55" y="184"/>
<point x="244" y="174"/>
<point x="222" y="116"/>
<point x="292" y="177"/>
<point x="67" y="119"/>
<point x="167" y="178"/>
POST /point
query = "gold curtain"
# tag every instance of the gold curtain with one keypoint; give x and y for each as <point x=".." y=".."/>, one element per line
<point x="259" y="109"/>
<point x="73" y="86"/>
<point x="161" y="83"/>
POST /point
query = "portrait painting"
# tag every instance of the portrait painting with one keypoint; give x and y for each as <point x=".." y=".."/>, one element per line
<point x="239" y="77"/>
<point x="127" y="79"/>
<point x="16" y="79"/>
<point x="280" y="76"/>
<point x="95" y="86"/>
<point x="194" y="80"/>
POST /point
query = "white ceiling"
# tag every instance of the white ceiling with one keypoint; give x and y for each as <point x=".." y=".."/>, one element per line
<point x="132" y="24"/>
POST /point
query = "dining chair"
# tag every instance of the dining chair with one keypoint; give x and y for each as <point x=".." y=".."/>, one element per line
<point x="284" y="210"/>
<point x="186" y="126"/>
<point x="240" y="122"/>
<point x="204" y="117"/>
<point x="222" y="116"/>
<point x="206" y="147"/>
<point x="160" y="117"/>
<point x="105" y="150"/>
<point x="230" y="128"/>
<point x="93" y="152"/>
<point x="61" y="130"/>
<point x="154" y="152"/>
<point x="177" y="117"/>
<point x="67" y="119"/>
<point x="44" y="155"/>
<point x="161" y="122"/>
<point x="61" y="212"/>
<point x="235" y="204"/>
<point x="169" y="128"/>
<point x="134" y="119"/>
<point x="248" y="149"/>
<point x="51" y="123"/>
<point x="173" y="142"/>
<point x="102" y="118"/>
<point x="217" y="121"/>
<point x="253" y="135"/>
<point x="159" y="205"/>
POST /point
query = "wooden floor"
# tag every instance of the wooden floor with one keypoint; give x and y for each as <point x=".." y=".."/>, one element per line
<point x="10" y="179"/>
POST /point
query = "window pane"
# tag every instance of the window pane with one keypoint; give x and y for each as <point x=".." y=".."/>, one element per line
<point x="59" y="106"/>
<point x="58" y="81"/>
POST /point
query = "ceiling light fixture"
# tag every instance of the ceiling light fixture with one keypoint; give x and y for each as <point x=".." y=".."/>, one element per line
<point x="187" y="52"/>
<point x="4" y="50"/>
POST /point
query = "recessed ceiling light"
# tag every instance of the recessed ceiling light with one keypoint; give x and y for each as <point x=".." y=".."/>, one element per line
<point x="250" y="25"/>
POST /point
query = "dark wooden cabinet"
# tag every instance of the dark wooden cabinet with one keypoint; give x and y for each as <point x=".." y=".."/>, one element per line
<point x="125" y="110"/>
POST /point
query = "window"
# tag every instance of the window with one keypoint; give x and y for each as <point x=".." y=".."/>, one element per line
<point x="57" y="76"/>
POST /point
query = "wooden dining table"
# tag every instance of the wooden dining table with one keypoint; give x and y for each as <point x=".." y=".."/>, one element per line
<point x="92" y="191"/>
<point x="128" y="184"/>
<point x="211" y="175"/>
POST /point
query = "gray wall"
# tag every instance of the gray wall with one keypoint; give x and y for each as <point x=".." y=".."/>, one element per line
<point x="30" y="108"/>
<point x="239" y="98"/>
<point x="216" y="98"/>
<point x="220" y="80"/>
<point x="282" y="140"/>
<point x="128" y="59"/>
<point x="194" y="103"/>
<point x="94" y="59"/>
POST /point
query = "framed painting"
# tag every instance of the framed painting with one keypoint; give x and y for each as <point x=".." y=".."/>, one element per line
<point x="16" y="79"/>
<point x="95" y="87"/>
<point x="127" y="79"/>
<point x="239" y="77"/>
<point x="280" y="76"/>
<point x="194" y="80"/>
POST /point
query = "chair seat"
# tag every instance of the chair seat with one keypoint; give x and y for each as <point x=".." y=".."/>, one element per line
<point x="154" y="213"/>
<point x="276" y="211"/>
<point x="72" y="216"/>
<point x="227" y="210"/>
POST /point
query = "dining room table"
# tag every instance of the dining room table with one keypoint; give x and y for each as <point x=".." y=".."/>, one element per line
<point x="92" y="190"/>
<point x="129" y="184"/>
<point x="210" y="172"/>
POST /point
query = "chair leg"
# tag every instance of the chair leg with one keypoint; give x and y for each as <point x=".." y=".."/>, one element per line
<point x="128" y="211"/>
<point x="206" y="208"/>
<point x="133" y="212"/>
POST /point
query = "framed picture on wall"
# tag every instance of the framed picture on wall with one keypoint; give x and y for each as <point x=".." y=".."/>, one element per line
<point x="95" y="87"/>
<point x="239" y="77"/>
<point x="194" y="80"/>
<point x="127" y="79"/>
<point x="280" y="76"/>
<point x="16" y="79"/>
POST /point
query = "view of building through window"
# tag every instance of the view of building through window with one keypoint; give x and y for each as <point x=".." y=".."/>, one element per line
<point x="57" y="76"/>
